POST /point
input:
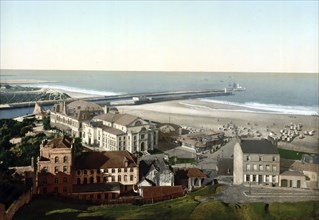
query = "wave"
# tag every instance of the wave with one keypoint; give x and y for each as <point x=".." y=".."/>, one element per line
<point x="75" y="89"/>
<point x="270" y="108"/>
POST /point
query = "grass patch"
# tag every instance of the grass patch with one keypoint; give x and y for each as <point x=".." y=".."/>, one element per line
<point x="177" y="160"/>
<point x="182" y="208"/>
<point x="290" y="154"/>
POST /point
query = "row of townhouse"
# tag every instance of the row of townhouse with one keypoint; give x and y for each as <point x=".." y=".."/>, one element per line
<point x="97" y="127"/>
<point x="105" y="177"/>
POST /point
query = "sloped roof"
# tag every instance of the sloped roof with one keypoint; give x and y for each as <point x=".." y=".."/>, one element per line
<point x="104" y="160"/>
<point x="126" y="119"/>
<point x="121" y="119"/>
<point x="262" y="146"/>
<point x="60" y="142"/>
<point x="195" y="172"/>
<point x="84" y="105"/>
<point x="291" y="173"/>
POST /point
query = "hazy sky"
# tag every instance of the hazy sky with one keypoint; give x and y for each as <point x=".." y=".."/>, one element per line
<point x="276" y="36"/>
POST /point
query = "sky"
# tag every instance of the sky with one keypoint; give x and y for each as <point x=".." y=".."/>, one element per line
<point x="211" y="36"/>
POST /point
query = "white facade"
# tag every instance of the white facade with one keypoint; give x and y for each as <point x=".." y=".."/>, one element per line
<point x="132" y="135"/>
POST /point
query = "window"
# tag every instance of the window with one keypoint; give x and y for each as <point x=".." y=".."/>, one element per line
<point x="91" y="179"/>
<point x="267" y="167"/>
<point x="98" y="179"/>
<point x="274" y="158"/>
<point x="261" y="167"/>
<point x="255" y="166"/>
<point x="274" y="168"/>
<point x="119" y="178"/>
<point x="56" y="169"/>
<point x="105" y="179"/>
<point x="142" y="136"/>
<point x="119" y="170"/>
<point x="78" y="172"/>
<point x="260" y="158"/>
<point x="247" y="158"/>
<point x="65" y="159"/>
<point x="56" y="159"/>
<point x="85" y="172"/>
<point x="65" y="169"/>
<point x="267" y="178"/>
<point x="131" y="169"/>
<point x="125" y="178"/>
<point x="78" y="181"/>
<point x="247" y="178"/>
<point x="125" y="164"/>
<point x="85" y="180"/>
<point x="56" y="180"/>
<point x="247" y="167"/>
<point x="131" y="177"/>
<point x="125" y="169"/>
<point x="254" y="178"/>
<point x="113" y="170"/>
<point x="65" y="180"/>
<point x="92" y="171"/>
<point x="113" y="178"/>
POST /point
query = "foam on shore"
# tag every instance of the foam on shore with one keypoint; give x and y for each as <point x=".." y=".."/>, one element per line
<point x="268" y="108"/>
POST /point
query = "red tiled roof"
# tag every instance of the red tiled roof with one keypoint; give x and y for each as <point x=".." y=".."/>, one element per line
<point x="104" y="160"/>
<point x="194" y="172"/>
<point x="60" y="142"/>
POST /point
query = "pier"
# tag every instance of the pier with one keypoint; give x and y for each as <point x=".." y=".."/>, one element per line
<point x="131" y="99"/>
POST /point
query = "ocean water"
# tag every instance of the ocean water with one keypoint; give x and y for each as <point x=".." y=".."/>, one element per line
<point x="291" y="93"/>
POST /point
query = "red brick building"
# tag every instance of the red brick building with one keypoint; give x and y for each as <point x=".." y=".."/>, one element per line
<point x="105" y="176"/>
<point x="55" y="166"/>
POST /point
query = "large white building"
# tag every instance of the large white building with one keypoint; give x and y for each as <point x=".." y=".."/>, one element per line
<point x="256" y="162"/>
<point x="69" y="117"/>
<point x="112" y="132"/>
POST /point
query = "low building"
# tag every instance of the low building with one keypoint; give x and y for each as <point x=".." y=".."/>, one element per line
<point x="152" y="194"/>
<point x="309" y="170"/>
<point x="224" y="170"/>
<point x="155" y="172"/>
<point x="293" y="179"/>
<point x="256" y="162"/>
<point x="55" y="166"/>
<point x="190" y="178"/>
<point x="169" y="131"/>
<point x="113" y="132"/>
<point x="202" y="141"/>
<point x="68" y="118"/>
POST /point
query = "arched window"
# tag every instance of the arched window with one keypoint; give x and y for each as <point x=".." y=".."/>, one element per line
<point x="56" y="169"/>
<point x="113" y="170"/>
<point x="65" y="159"/>
<point x="56" y="159"/>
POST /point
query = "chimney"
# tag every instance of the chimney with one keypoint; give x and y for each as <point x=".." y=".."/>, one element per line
<point x="106" y="109"/>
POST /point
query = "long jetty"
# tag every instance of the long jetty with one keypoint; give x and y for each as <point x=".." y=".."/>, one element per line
<point x="131" y="99"/>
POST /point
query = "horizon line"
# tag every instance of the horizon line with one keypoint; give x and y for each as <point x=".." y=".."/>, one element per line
<point x="177" y="71"/>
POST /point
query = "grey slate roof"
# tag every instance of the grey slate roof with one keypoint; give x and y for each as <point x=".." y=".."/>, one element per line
<point x="261" y="146"/>
<point x="121" y="119"/>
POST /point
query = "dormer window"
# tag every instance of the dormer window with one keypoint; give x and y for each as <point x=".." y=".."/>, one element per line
<point x="274" y="158"/>
<point x="247" y="158"/>
<point x="260" y="158"/>
<point x="125" y="163"/>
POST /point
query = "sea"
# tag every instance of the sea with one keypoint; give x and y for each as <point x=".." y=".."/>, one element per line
<point x="287" y="93"/>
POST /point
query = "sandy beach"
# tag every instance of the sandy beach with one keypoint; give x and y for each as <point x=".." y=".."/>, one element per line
<point x="213" y="116"/>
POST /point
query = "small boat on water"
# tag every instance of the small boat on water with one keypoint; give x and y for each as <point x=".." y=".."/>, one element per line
<point x="236" y="87"/>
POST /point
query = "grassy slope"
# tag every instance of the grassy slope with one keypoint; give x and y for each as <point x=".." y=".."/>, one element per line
<point x="182" y="208"/>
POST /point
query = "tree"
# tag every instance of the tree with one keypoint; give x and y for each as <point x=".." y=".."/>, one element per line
<point x="46" y="123"/>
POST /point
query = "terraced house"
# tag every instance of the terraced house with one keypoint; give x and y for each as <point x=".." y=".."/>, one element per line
<point x="112" y="132"/>
<point x="256" y="162"/>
